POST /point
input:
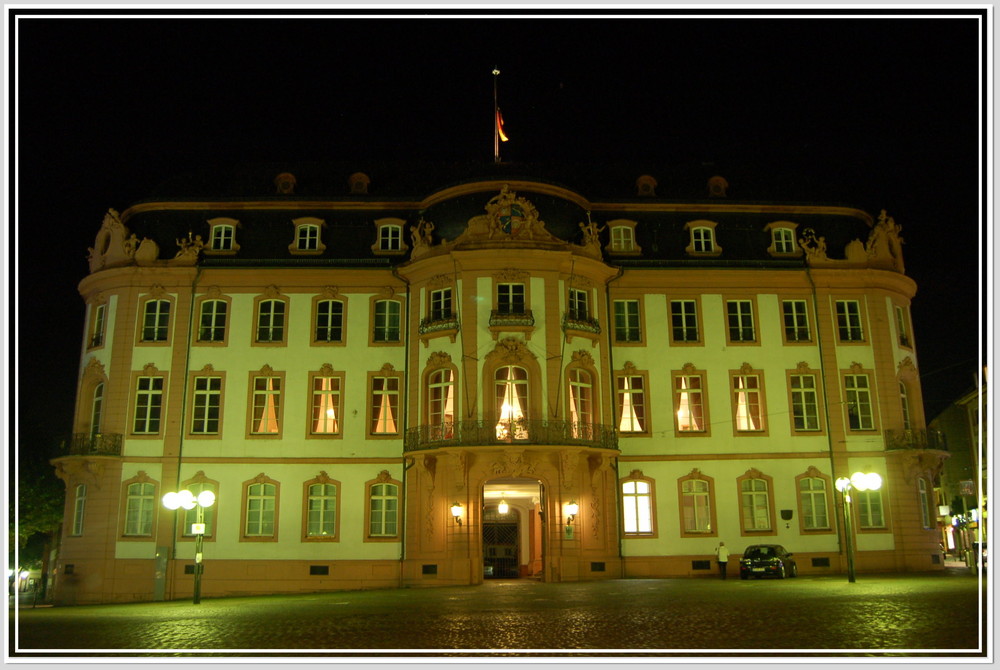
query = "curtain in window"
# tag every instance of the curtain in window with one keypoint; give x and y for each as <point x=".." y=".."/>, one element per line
<point x="512" y="403"/>
<point x="689" y="408"/>
<point x="441" y="409"/>
<point x="581" y="414"/>
<point x="632" y="419"/>
<point x="747" y="403"/>
<point x="384" y="398"/>
<point x="265" y="404"/>
<point x="326" y="401"/>
<point x="696" y="505"/>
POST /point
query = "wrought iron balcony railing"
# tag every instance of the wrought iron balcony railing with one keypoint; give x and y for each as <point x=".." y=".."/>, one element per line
<point x="920" y="438"/>
<point x="438" y="322"/>
<point x="88" y="444"/>
<point x="488" y="433"/>
<point x="504" y="318"/>
<point x="579" y="322"/>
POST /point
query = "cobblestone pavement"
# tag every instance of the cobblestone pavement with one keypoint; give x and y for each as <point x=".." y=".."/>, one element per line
<point x="933" y="614"/>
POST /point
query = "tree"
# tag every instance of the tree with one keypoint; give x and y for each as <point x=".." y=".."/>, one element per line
<point x="40" y="499"/>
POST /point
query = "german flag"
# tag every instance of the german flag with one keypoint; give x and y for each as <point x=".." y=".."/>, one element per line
<point x="503" y="137"/>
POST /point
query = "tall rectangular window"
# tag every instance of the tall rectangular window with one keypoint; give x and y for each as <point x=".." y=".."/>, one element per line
<point x="148" y="405"/>
<point x="307" y="237"/>
<point x="739" y="315"/>
<point x="579" y="307"/>
<point x="747" y="399"/>
<point x="155" y="320"/>
<point x="441" y="305"/>
<point x="212" y="321"/>
<point x="79" y="508"/>
<point x="384" y="405"/>
<point x="271" y="321"/>
<point x="812" y="498"/>
<point x="627" y="321"/>
<point x="696" y="506"/>
<point x="329" y="320"/>
<point x="849" y="321"/>
<point x="260" y="507"/>
<point x="322" y="511"/>
<point x="510" y="298"/>
<point x="796" y="320"/>
<point x="637" y="507"/>
<point x="206" y="405"/>
<point x="631" y="403"/>
<point x="441" y="404"/>
<point x="805" y="403"/>
<point x="581" y="404"/>
<point x="689" y="402"/>
<point x="869" y="506"/>
<point x="266" y="406"/>
<point x="925" y="502"/>
<point x="904" y="403"/>
<point x="684" y="320"/>
<point x="755" y="504"/>
<point x="325" y="418"/>
<point x="139" y="506"/>
<point x="222" y="238"/>
<point x="859" y="403"/>
<point x="97" y="330"/>
<point x="386" y="328"/>
<point x="902" y="328"/>
<point x="383" y="510"/>
<point x="783" y="240"/>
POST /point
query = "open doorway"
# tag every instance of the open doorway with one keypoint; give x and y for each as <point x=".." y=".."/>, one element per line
<point x="512" y="529"/>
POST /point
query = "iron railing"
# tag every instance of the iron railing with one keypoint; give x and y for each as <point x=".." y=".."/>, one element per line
<point x="527" y="432"/>
<point x="581" y="323"/>
<point x="438" y="322"/>
<point x="86" y="444"/>
<point x="920" y="438"/>
<point x="502" y="318"/>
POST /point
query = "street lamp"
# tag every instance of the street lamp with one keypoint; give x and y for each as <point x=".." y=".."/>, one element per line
<point x="187" y="500"/>
<point x="859" y="481"/>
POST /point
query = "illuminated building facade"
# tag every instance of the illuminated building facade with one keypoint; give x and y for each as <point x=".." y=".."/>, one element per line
<point x="504" y="377"/>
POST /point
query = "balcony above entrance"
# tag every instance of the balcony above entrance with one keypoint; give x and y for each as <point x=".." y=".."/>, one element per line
<point x="521" y="431"/>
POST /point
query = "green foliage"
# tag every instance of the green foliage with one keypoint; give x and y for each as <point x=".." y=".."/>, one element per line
<point x="40" y="498"/>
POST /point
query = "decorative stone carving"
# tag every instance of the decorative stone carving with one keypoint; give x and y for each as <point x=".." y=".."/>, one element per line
<point x="856" y="368"/>
<point x="213" y="292"/>
<point x="746" y="369"/>
<point x="689" y="369"/>
<point x="85" y="470"/>
<point x="753" y="473"/>
<point x="509" y="351"/>
<point x="422" y="234"/>
<point x="583" y="358"/>
<point x="635" y="474"/>
<point x="815" y="247"/>
<point x="157" y="291"/>
<point x="149" y="370"/>
<point x="629" y="368"/>
<point x="458" y="461"/>
<point x="208" y="368"/>
<point x="920" y="463"/>
<point x="591" y="237"/>
<point x="326" y="369"/>
<point x="387" y="368"/>
<point x="94" y="368"/>
<point x="569" y="463"/>
<point x="511" y="275"/>
<point x="267" y="370"/>
<point x="439" y="281"/>
<point x="906" y="365"/>
<point x="513" y="464"/>
<point x="330" y="292"/>
<point x="383" y="477"/>
<point x="803" y="367"/>
<point x="272" y="292"/>
<point x="438" y="359"/>
<point x="189" y="250"/>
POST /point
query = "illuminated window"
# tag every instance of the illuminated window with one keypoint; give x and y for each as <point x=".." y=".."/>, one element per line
<point x="637" y="507"/>
<point x="849" y="321"/>
<point x="212" y="321"/>
<point x="631" y="403"/>
<point x="510" y="298"/>
<point x="747" y="400"/>
<point x="390" y="237"/>
<point x="321" y="510"/>
<point x="96" y="410"/>
<point x="696" y="506"/>
<point x="206" y="405"/>
<point x="755" y="503"/>
<point x="386" y="326"/>
<point x="813" y="503"/>
<point x="271" y="321"/>
<point x="904" y="405"/>
<point x="796" y="320"/>
<point x="79" y="507"/>
<point x="689" y="403"/>
<point x="622" y="239"/>
<point x="384" y="405"/>
<point x="859" y="403"/>
<point x="148" y="405"/>
<point x="307" y="237"/>
<point x="260" y="506"/>
<point x="511" y="397"/>
<point x="805" y="405"/>
<point x="739" y="316"/>
<point x="869" y="507"/>
<point x="441" y="404"/>
<point x="265" y="405"/>
<point x="684" y="320"/>
<point x="627" y="321"/>
<point x="326" y="397"/>
<point x="383" y="509"/>
<point x="222" y="237"/>
<point x="581" y="404"/>
<point x="140" y="503"/>
<point x="155" y="320"/>
<point x="329" y="320"/>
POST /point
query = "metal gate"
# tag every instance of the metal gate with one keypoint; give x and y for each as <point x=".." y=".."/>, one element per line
<point x="500" y="550"/>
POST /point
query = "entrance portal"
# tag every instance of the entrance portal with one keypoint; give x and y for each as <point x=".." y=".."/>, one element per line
<point x="512" y="529"/>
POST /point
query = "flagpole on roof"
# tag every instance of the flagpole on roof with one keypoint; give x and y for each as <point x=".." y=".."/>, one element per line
<point x="496" y="119"/>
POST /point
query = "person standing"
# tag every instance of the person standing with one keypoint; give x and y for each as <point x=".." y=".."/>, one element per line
<point x="722" y="555"/>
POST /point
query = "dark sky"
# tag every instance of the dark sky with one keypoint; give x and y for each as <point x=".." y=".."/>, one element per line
<point x="882" y="112"/>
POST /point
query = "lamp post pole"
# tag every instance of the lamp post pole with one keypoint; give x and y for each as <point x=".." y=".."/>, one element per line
<point x="861" y="482"/>
<point x="188" y="501"/>
<point x="199" y="538"/>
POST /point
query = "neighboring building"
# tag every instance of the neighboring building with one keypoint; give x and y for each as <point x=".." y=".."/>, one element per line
<point x="394" y="384"/>
<point x="963" y="500"/>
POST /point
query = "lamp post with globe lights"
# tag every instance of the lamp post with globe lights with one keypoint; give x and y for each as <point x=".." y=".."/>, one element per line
<point x="199" y="503"/>
<point x="859" y="481"/>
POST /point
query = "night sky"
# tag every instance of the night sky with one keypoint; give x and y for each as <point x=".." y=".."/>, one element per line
<point x="882" y="112"/>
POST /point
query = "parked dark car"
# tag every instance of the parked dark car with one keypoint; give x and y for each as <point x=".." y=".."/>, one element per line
<point x="772" y="560"/>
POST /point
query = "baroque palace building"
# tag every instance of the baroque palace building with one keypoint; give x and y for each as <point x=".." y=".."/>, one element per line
<point x="413" y="379"/>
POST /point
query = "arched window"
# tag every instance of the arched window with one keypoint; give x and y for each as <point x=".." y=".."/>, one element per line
<point x="383" y="510"/>
<point x="321" y="506"/>
<point x="212" y="321"/>
<point x="271" y="321"/>
<point x="696" y="506"/>
<point x="581" y="404"/>
<point x="140" y="504"/>
<point x="511" y="397"/>
<point x="97" y="409"/>
<point x="441" y="404"/>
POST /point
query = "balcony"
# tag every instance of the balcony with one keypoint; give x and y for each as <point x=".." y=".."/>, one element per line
<point x="438" y="322"/>
<point x="502" y="320"/>
<point x="490" y="434"/>
<point x="96" y="444"/>
<point x="920" y="438"/>
<point x="579" y="325"/>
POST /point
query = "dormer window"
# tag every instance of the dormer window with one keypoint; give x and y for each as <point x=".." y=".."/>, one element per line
<point x="222" y="236"/>
<point x="782" y="239"/>
<point x="307" y="236"/>
<point x="703" y="241"/>
<point x="622" y="238"/>
<point x="389" y="237"/>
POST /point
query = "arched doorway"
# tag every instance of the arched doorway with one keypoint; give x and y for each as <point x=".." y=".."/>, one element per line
<point x="512" y="530"/>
